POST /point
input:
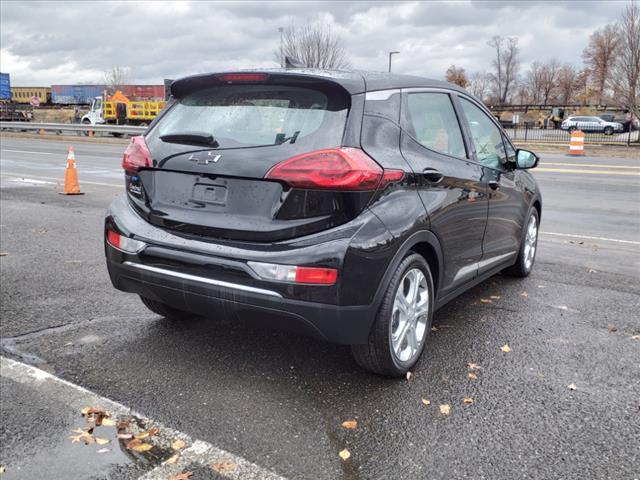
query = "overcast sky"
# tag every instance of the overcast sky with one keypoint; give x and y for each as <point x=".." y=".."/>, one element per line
<point x="44" y="43"/>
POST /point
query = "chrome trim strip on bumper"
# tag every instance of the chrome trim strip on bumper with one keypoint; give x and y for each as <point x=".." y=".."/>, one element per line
<point x="196" y="278"/>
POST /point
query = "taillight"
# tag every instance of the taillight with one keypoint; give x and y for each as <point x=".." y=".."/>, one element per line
<point x="342" y="168"/>
<point x="136" y="155"/>
<point x="295" y="274"/>
<point x="245" y="77"/>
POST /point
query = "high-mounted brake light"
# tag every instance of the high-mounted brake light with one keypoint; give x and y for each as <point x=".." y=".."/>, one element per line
<point x="136" y="155"/>
<point x="343" y="168"/>
<point x="124" y="244"/>
<point x="295" y="274"/>
<point x="242" y="77"/>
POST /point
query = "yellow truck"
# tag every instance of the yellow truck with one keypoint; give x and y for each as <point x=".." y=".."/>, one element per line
<point x="117" y="109"/>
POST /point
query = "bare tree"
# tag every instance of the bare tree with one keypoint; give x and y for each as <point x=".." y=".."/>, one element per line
<point x="625" y="72"/>
<point x="567" y="84"/>
<point x="479" y="84"/>
<point x="550" y="73"/>
<point x="505" y="66"/>
<point x="599" y="56"/>
<point x="534" y="82"/>
<point x="116" y="78"/>
<point x="457" y="76"/>
<point x="315" y="45"/>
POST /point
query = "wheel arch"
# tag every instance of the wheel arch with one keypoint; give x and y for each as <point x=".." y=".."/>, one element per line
<point x="424" y="243"/>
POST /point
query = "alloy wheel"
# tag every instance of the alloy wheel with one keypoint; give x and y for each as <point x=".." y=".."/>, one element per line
<point x="530" y="242"/>
<point x="410" y="315"/>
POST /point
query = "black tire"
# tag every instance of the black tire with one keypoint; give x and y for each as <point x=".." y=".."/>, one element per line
<point x="165" y="310"/>
<point x="377" y="354"/>
<point x="608" y="130"/>
<point x="520" y="268"/>
<point x="572" y="129"/>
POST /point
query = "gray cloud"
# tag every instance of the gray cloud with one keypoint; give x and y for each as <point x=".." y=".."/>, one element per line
<point x="44" y="43"/>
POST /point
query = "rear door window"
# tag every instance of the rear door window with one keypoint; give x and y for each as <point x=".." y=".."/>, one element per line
<point x="258" y="115"/>
<point x="435" y="124"/>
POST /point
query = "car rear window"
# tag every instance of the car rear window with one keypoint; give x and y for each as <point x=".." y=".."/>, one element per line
<point x="258" y="115"/>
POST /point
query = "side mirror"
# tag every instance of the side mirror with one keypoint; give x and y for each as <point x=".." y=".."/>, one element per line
<point x="526" y="159"/>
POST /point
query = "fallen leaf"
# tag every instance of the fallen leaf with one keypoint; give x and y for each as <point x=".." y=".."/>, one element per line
<point x="125" y="436"/>
<point x="143" y="447"/>
<point x="485" y="300"/>
<point x="85" y="436"/>
<point x="434" y="329"/>
<point x="426" y="402"/>
<point x="473" y="366"/>
<point x="505" y="348"/>
<point x="178" y="444"/>
<point x="635" y="337"/>
<point x="468" y="400"/>
<point x="133" y="443"/>
<point x="612" y="328"/>
<point x="445" y="409"/>
<point x="495" y="297"/>
<point x="349" y="424"/>
<point x="102" y="441"/>
<point x="409" y="375"/>
<point x="524" y="294"/>
<point x="224" y="466"/>
<point x="171" y="460"/>
<point x="344" y="454"/>
<point x="3" y="254"/>
<point x="108" y="422"/>
<point x="181" y="476"/>
<point x="472" y="376"/>
<point x="122" y="425"/>
<point x="104" y="450"/>
<point x="141" y="435"/>
<point x="591" y="270"/>
<point x="2" y="467"/>
<point x="572" y="386"/>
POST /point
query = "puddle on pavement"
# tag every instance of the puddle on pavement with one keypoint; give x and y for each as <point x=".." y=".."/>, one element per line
<point x="106" y="458"/>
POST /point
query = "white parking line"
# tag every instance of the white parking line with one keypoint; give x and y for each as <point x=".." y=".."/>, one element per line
<point x="60" y="180"/>
<point x="26" y="151"/>
<point x="587" y="237"/>
<point x="199" y="452"/>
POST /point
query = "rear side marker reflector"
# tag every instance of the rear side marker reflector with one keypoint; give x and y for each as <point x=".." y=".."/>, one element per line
<point x="124" y="244"/>
<point x="295" y="274"/>
<point x="136" y="155"/>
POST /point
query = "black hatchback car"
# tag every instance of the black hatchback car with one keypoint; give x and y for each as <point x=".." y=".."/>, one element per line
<point x="345" y="205"/>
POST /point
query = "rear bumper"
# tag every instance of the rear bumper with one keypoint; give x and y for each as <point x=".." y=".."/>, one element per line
<point x="346" y="325"/>
<point x="212" y="279"/>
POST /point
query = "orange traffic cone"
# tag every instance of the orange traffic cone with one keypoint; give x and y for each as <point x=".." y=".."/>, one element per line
<point x="71" y="185"/>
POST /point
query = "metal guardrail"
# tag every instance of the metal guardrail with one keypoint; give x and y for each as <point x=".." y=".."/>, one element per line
<point x="73" y="127"/>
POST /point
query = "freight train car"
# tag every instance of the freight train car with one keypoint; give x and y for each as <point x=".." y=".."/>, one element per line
<point x="75" y="94"/>
<point x="143" y="92"/>
<point x="5" y="87"/>
<point x="28" y="94"/>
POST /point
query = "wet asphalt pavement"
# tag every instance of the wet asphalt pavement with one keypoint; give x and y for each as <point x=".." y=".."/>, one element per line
<point x="278" y="400"/>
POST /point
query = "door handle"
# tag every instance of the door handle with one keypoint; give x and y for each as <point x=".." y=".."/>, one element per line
<point x="432" y="175"/>
<point x="494" y="184"/>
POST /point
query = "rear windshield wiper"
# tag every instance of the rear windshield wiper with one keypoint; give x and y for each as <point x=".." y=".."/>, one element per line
<point x="190" y="138"/>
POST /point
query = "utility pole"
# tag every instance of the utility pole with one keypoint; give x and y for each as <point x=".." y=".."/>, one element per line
<point x="390" y="55"/>
<point x="281" y="30"/>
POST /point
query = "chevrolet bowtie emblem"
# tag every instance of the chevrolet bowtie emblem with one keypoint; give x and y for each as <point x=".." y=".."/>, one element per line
<point x="209" y="158"/>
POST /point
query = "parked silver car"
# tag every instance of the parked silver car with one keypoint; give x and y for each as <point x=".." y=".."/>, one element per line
<point x="591" y="124"/>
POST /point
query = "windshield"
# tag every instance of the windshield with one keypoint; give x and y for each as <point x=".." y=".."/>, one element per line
<point x="255" y="115"/>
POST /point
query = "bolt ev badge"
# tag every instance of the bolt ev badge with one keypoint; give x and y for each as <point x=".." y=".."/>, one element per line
<point x="205" y="160"/>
